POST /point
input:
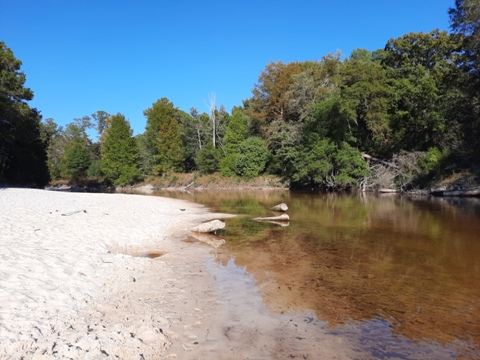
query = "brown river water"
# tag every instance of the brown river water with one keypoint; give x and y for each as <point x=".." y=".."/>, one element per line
<point x="397" y="278"/>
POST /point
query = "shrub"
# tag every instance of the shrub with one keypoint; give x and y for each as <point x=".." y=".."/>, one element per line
<point x="252" y="158"/>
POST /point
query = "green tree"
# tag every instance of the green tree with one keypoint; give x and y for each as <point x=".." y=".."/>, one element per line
<point x="252" y="158"/>
<point x="196" y="132"/>
<point x="236" y="132"/>
<point x="364" y="104"/>
<point x="170" y="155"/>
<point x="423" y="75"/>
<point x="208" y="159"/>
<point x="120" y="152"/>
<point x="361" y="55"/>
<point x="465" y="17"/>
<point x="23" y="158"/>
<point x="465" y="21"/>
<point x="76" y="161"/>
<point x="163" y="138"/>
<point x="323" y="164"/>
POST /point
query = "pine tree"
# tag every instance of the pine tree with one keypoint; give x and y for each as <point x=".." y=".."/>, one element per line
<point x="120" y="152"/>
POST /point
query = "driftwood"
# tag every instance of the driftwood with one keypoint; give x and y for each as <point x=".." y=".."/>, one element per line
<point x="209" y="227"/>
<point x="388" y="191"/>
<point x="186" y="187"/>
<point x="368" y="158"/>
<point x="438" y="190"/>
<point x="283" y="217"/>
<point x="74" y="212"/>
<point x="280" y="207"/>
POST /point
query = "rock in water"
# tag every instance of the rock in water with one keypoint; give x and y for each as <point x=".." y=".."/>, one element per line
<point x="209" y="227"/>
<point x="280" y="207"/>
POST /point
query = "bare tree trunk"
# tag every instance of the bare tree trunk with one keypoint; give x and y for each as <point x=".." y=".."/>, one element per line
<point x="212" y="107"/>
<point x="199" y="137"/>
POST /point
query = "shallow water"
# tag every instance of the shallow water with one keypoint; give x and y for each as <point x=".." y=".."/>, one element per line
<point x="397" y="278"/>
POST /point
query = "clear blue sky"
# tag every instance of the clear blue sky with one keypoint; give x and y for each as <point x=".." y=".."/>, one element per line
<point x="81" y="56"/>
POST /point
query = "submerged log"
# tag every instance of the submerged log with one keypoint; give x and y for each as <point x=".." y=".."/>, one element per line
<point x="209" y="227"/>
<point x="438" y="190"/>
<point x="385" y="191"/>
<point x="283" y="217"/>
<point x="280" y="207"/>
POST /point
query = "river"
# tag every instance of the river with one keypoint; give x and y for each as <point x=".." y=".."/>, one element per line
<point x="390" y="276"/>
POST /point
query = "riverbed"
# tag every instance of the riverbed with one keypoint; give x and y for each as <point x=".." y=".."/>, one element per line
<point x="385" y="277"/>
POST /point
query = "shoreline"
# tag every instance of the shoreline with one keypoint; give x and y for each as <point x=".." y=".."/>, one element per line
<point x="70" y="287"/>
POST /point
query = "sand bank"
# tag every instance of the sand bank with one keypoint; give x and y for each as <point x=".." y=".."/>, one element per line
<point x="70" y="287"/>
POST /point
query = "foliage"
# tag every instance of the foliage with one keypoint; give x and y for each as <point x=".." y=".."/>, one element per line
<point x="364" y="104"/>
<point x="22" y="150"/>
<point x="163" y="139"/>
<point x="120" y="153"/>
<point x="76" y="161"/>
<point x="236" y="132"/>
<point x="465" y="21"/>
<point x="208" y="159"/>
<point x="421" y="69"/>
<point x="327" y="165"/>
<point x="227" y="164"/>
<point x="252" y="158"/>
<point x="415" y="103"/>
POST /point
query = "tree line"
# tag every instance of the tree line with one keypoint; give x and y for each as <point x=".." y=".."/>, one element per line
<point x="415" y="104"/>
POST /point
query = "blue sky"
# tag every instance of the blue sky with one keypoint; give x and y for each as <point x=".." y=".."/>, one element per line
<point x="81" y="56"/>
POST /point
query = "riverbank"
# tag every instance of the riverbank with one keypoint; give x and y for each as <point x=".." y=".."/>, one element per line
<point x="76" y="279"/>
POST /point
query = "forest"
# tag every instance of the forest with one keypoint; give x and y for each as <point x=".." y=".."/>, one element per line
<point x="398" y="117"/>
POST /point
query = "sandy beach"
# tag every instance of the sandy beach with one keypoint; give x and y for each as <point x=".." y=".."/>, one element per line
<point x="75" y="281"/>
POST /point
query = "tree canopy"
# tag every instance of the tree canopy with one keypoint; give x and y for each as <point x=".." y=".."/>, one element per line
<point x="22" y="150"/>
<point x="417" y="99"/>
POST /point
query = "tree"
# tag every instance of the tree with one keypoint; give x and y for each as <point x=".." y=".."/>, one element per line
<point x="323" y="164"/>
<point x="22" y="151"/>
<point x="120" y="152"/>
<point x="465" y="17"/>
<point x="195" y="130"/>
<point x="236" y="132"/>
<point x="101" y="118"/>
<point x="364" y="105"/>
<point x="208" y="159"/>
<point x="465" y="21"/>
<point x="423" y="75"/>
<point x="53" y="136"/>
<point x="163" y="138"/>
<point x="269" y="102"/>
<point x="252" y="157"/>
<point x="170" y="147"/>
<point x="212" y="108"/>
<point x="361" y="55"/>
<point x="76" y="161"/>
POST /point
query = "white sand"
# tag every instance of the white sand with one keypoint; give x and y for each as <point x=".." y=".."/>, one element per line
<point x="69" y="289"/>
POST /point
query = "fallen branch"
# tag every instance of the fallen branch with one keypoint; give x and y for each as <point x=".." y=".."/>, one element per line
<point x="74" y="212"/>
<point x="186" y="187"/>
<point x="368" y="157"/>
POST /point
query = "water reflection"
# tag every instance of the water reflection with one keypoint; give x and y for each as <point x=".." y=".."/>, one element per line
<point x="409" y="266"/>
